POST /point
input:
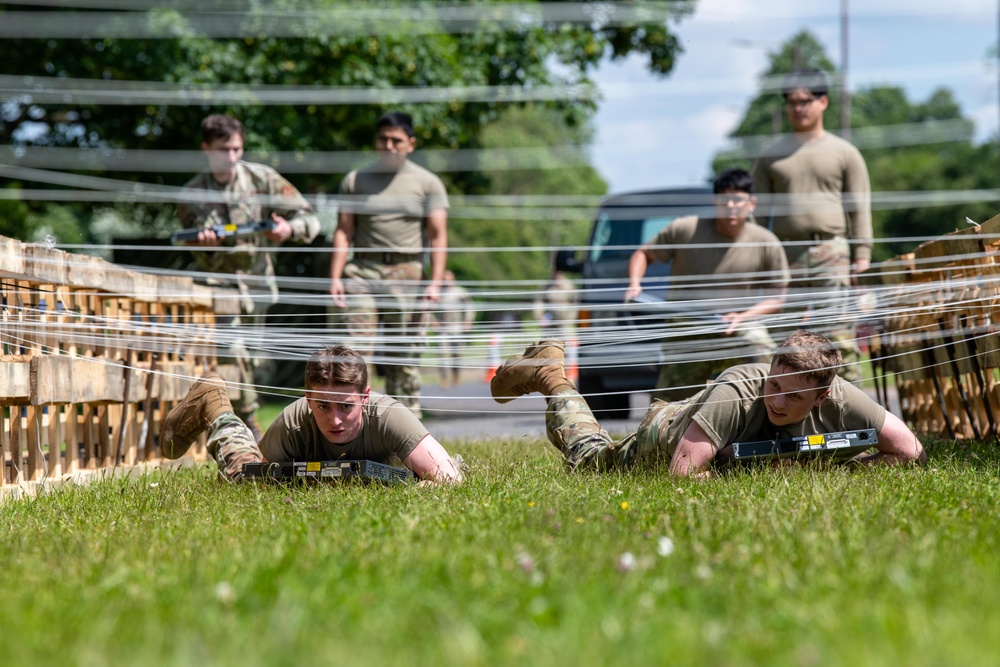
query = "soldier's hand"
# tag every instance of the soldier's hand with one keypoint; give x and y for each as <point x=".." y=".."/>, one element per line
<point x="207" y="237"/>
<point x="433" y="292"/>
<point x="733" y="320"/>
<point x="338" y="293"/>
<point x="282" y="230"/>
<point x="632" y="292"/>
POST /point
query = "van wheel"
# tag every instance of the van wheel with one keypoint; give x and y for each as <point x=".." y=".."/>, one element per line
<point x="606" y="406"/>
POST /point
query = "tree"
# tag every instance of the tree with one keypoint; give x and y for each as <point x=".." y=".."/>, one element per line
<point x="883" y="124"/>
<point x="366" y="46"/>
<point x="525" y="127"/>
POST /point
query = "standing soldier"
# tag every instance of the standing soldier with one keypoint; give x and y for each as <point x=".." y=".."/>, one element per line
<point x="386" y="209"/>
<point x="454" y="316"/>
<point x="814" y="187"/>
<point x="235" y="192"/>
<point x="555" y="308"/>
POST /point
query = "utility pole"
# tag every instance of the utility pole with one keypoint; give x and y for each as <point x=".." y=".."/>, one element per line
<point x="845" y="94"/>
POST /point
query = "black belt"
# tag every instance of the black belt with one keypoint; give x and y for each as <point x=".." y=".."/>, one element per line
<point x="822" y="236"/>
<point x="390" y="257"/>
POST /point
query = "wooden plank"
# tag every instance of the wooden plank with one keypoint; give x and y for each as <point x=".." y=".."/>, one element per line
<point x="78" y="380"/>
<point x="89" y="435"/>
<point x="5" y="467"/>
<point x="46" y="265"/>
<point x="53" y="437"/>
<point x="16" y="445"/>
<point x="103" y="437"/>
<point x="11" y="258"/>
<point x="36" y="466"/>
<point x="71" y="436"/>
<point x="15" y="379"/>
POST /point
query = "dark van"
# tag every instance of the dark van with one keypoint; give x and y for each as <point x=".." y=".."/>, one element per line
<point x="620" y="344"/>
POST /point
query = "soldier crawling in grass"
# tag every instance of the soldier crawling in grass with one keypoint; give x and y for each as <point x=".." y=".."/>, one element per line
<point x="799" y="393"/>
<point x="339" y="418"/>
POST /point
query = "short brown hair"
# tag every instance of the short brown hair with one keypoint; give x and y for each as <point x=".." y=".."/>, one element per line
<point x="336" y="364"/>
<point x="220" y="126"/>
<point x="812" y="355"/>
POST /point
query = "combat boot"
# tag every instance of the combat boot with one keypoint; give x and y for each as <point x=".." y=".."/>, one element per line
<point x="539" y="369"/>
<point x="205" y="400"/>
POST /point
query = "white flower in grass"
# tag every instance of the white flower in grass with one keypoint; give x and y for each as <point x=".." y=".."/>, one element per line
<point x="625" y="562"/>
<point x="224" y="593"/>
<point x="665" y="546"/>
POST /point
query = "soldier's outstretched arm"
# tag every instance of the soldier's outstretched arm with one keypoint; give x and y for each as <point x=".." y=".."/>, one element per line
<point x="694" y="453"/>
<point x="431" y="462"/>
<point x="896" y="445"/>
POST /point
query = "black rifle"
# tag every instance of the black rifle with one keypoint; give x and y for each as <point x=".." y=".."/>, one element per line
<point x="222" y="231"/>
<point x="329" y="471"/>
<point x="650" y="305"/>
<point x="839" y="446"/>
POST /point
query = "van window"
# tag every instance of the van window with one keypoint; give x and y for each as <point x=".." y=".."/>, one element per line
<point x="618" y="239"/>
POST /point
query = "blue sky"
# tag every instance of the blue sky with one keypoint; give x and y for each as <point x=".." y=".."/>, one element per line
<point x="654" y="132"/>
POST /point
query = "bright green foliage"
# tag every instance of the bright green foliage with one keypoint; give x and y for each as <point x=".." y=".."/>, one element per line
<point x="517" y="128"/>
<point x="523" y="564"/>
<point x="487" y="54"/>
<point x="954" y="164"/>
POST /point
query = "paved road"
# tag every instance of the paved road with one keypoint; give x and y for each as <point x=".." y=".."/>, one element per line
<point x="468" y="412"/>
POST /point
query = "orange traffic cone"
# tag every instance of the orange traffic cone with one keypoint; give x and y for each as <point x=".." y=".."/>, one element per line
<point x="572" y="360"/>
<point x="493" y="357"/>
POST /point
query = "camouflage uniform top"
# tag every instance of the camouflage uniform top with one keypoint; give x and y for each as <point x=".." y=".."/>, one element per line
<point x="388" y="430"/>
<point x="720" y="266"/>
<point x="829" y="192"/>
<point x="252" y="195"/>
<point x="731" y="409"/>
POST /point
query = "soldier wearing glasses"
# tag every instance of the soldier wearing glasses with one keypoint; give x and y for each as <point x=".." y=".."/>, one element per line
<point x="816" y="195"/>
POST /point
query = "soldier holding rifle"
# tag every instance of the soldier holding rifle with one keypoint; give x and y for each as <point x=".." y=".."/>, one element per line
<point x="233" y="193"/>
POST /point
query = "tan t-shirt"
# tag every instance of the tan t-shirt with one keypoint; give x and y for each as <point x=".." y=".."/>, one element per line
<point x="390" y="207"/>
<point x="388" y="429"/>
<point x="731" y="409"/>
<point x="827" y="187"/>
<point x="722" y="267"/>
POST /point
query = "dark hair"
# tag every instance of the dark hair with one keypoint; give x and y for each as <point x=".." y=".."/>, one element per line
<point x="396" y="119"/>
<point x="220" y="126"/>
<point x="336" y="364"/>
<point x="813" y="80"/>
<point x="812" y="355"/>
<point x="733" y="179"/>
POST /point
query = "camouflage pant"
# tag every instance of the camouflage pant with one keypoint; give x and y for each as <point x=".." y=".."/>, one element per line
<point x="387" y="294"/>
<point x="821" y="287"/>
<point x="232" y="444"/>
<point x="573" y="429"/>
<point x="680" y="378"/>
<point x="450" y="351"/>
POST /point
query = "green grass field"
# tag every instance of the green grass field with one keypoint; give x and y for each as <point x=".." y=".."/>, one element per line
<point x="524" y="564"/>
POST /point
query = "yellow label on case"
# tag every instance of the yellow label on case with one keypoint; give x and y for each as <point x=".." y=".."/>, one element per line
<point x="313" y="466"/>
<point x="817" y="439"/>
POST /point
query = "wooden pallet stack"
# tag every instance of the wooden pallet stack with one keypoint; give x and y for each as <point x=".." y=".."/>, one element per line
<point x="939" y="338"/>
<point x="92" y="356"/>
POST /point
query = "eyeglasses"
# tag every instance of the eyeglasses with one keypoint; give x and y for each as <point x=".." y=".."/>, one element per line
<point x="736" y="200"/>
<point x="796" y="104"/>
